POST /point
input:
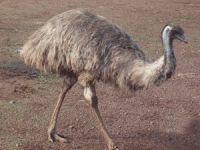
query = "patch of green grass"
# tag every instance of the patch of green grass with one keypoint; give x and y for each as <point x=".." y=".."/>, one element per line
<point x="18" y="66"/>
<point x="151" y="46"/>
<point x="20" y="123"/>
<point x="15" y="110"/>
<point x="10" y="142"/>
<point x="194" y="38"/>
<point x="145" y="38"/>
<point x="46" y="78"/>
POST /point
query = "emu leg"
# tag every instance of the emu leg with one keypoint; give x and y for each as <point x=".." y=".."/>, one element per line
<point x="52" y="135"/>
<point x="91" y="98"/>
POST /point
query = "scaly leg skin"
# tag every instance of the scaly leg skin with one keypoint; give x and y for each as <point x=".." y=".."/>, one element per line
<point x="52" y="135"/>
<point x="91" y="98"/>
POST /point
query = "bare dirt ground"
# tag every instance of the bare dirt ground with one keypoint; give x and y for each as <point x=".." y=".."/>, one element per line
<point x="160" y="118"/>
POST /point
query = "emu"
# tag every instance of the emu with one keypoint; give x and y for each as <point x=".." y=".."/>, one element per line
<point x="86" y="48"/>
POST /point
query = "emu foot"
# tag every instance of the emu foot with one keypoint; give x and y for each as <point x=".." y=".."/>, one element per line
<point x="52" y="136"/>
<point x="111" y="146"/>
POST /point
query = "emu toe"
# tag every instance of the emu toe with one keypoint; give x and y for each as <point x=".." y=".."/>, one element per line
<point x="55" y="137"/>
<point x="111" y="146"/>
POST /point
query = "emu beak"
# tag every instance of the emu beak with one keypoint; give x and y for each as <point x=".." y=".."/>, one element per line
<point x="181" y="38"/>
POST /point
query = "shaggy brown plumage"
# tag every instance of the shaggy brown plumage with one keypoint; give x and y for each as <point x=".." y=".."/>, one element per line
<point x="85" y="47"/>
<point x="77" y="41"/>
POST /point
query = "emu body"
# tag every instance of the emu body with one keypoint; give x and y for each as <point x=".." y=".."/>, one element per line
<point x="85" y="48"/>
<point x="77" y="41"/>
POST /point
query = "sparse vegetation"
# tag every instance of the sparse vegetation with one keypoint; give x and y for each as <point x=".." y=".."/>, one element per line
<point x="168" y="119"/>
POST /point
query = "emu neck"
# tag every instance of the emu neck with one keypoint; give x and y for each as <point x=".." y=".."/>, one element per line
<point x="167" y="44"/>
<point x="164" y="67"/>
<point x="169" y="64"/>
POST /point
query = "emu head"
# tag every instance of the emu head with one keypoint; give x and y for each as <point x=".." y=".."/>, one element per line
<point x="174" y="32"/>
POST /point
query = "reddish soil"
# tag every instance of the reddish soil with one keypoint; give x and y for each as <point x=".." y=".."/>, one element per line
<point x="160" y="118"/>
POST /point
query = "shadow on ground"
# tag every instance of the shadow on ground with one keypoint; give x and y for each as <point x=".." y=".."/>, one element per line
<point x="18" y="67"/>
<point x="158" y="140"/>
<point x="142" y="140"/>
